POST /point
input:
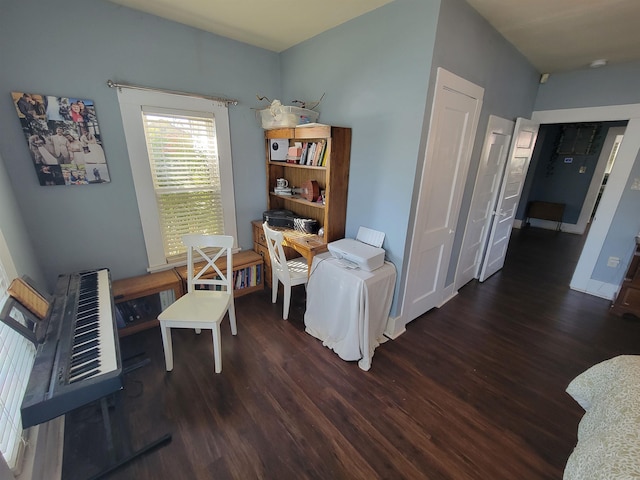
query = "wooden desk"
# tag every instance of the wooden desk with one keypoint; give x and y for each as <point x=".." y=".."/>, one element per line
<point x="295" y="244"/>
<point x="305" y="244"/>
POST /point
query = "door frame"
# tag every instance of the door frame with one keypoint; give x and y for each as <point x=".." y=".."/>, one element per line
<point x="627" y="154"/>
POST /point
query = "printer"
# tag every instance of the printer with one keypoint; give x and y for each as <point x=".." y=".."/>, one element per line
<point x="363" y="252"/>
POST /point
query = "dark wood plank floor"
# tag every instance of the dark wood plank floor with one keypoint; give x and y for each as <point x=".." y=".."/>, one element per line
<point x="473" y="390"/>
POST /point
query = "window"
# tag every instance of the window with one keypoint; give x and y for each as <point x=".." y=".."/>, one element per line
<point x="16" y="360"/>
<point x="180" y="153"/>
<point x="186" y="177"/>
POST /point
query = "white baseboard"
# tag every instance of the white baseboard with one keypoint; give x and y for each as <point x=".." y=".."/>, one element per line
<point x="395" y="327"/>
<point x="549" y="225"/>
<point x="447" y="294"/>
<point x="597" y="289"/>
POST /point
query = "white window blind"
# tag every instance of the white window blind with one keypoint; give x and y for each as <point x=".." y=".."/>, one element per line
<point x="16" y="360"/>
<point x="180" y="154"/>
<point x="183" y="156"/>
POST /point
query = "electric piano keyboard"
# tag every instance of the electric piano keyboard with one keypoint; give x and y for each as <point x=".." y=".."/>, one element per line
<point x="78" y="361"/>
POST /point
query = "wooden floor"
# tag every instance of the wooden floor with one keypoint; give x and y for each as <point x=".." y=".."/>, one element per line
<point x="473" y="390"/>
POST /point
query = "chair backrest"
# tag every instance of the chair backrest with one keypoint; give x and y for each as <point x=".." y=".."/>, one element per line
<point x="208" y="249"/>
<point x="276" y="252"/>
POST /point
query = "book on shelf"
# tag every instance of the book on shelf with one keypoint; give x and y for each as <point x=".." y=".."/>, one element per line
<point x="259" y="274"/>
<point x="320" y="152"/>
<point x="303" y="154"/>
<point x="167" y="297"/>
<point x="325" y="154"/>
<point x="311" y="153"/>
<point x="239" y="279"/>
<point x="316" y="151"/>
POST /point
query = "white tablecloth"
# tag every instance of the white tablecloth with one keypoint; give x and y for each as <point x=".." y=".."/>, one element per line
<point x="348" y="308"/>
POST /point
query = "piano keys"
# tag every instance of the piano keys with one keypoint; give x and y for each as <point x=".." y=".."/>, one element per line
<point x="78" y="361"/>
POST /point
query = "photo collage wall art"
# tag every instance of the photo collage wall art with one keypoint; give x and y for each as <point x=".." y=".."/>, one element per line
<point x="63" y="138"/>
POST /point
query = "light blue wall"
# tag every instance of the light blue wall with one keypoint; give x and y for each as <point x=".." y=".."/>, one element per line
<point x="380" y="86"/>
<point x="612" y="85"/>
<point x="374" y="72"/>
<point x="620" y="238"/>
<point x="556" y="180"/>
<point x="15" y="233"/>
<point x="70" y="48"/>
<point x="469" y="47"/>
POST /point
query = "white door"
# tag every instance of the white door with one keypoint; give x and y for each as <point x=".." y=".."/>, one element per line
<point x="485" y="195"/>
<point x="454" y="119"/>
<point x="525" y="135"/>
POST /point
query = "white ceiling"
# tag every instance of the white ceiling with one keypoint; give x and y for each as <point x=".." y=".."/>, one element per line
<point x="555" y="35"/>
<point x="272" y="24"/>
<point x="560" y="35"/>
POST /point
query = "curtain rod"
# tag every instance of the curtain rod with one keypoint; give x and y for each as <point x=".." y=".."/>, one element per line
<point x="227" y="101"/>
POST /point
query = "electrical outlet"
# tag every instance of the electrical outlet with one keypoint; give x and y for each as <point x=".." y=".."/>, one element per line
<point x="613" y="262"/>
<point x="636" y="184"/>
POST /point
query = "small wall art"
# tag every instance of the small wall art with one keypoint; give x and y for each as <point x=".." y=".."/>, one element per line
<point x="63" y="138"/>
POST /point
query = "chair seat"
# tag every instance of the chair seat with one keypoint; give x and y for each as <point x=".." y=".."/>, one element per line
<point x="198" y="307"/>
<point x="298" y="270"/>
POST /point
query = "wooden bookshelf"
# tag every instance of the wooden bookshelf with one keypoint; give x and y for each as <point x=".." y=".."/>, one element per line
<point x="146" y="295"/>
<point x="146" y="290"/>
<point x="244" y="262"/>
<point x="332" y="177"/>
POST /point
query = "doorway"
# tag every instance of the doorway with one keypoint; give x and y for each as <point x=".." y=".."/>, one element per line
<point x="568" y="176"/>
<point x="614" y="148"/>
<point x="628" y="151"/>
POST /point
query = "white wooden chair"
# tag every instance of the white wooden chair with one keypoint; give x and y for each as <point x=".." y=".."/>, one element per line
<point x="288" y="272"/>
<point x="202" y="309"/>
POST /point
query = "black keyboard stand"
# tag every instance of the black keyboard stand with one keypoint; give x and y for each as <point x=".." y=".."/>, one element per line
<point x="126" y="455"/>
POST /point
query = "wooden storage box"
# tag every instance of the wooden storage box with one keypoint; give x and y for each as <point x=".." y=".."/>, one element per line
<point x="242" y="261"/>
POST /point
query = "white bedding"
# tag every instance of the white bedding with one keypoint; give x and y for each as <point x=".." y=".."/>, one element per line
<point x="609" y="432"/>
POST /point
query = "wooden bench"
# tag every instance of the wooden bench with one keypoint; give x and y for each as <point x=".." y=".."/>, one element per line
<point x="546" y="211"/>
<point x="151" y="293"/>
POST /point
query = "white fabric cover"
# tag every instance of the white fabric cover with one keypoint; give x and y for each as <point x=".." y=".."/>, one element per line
<point x="348" y="308"/>
<point x="609" y="433"/>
